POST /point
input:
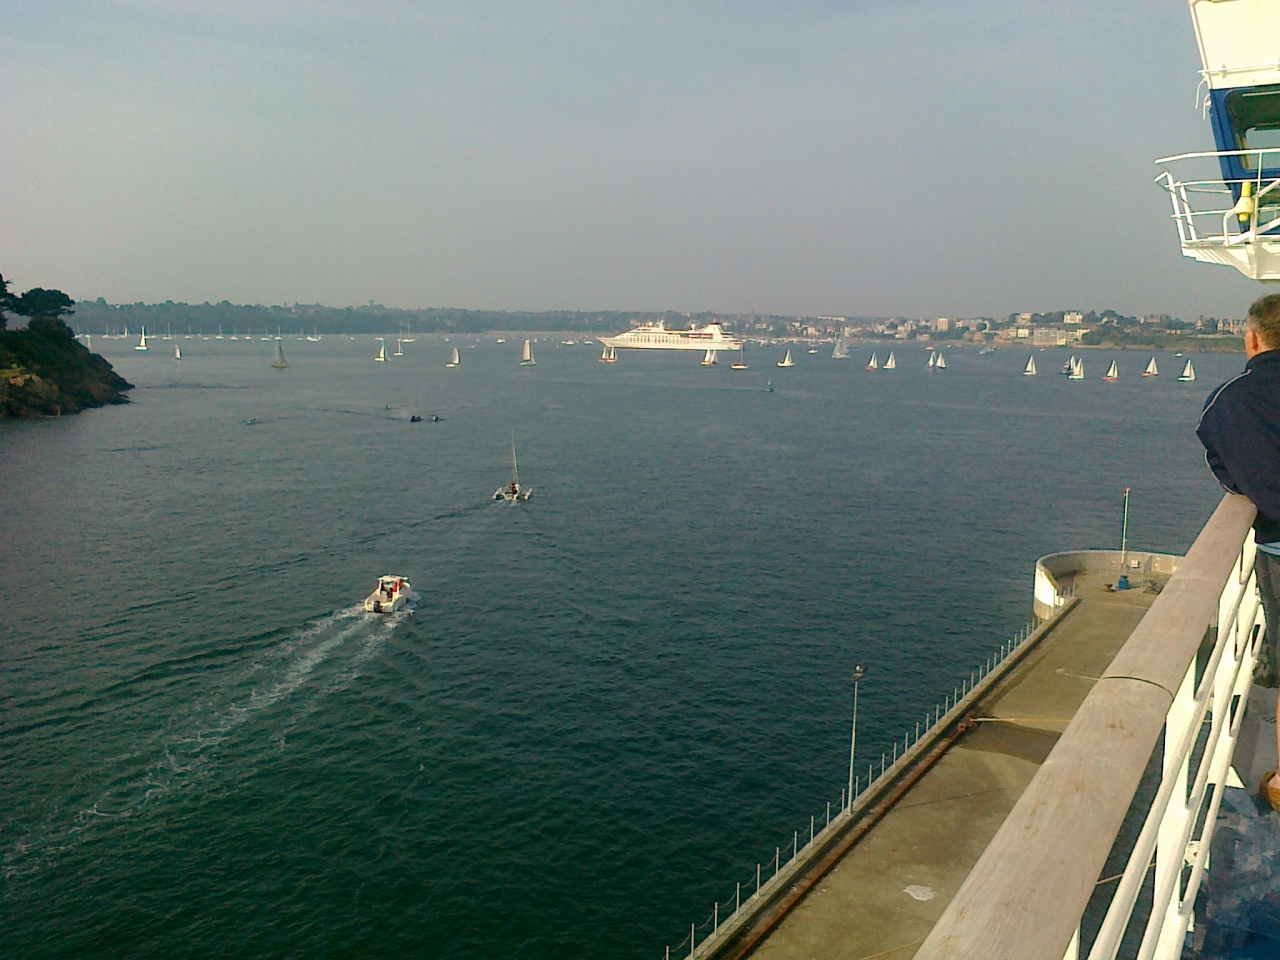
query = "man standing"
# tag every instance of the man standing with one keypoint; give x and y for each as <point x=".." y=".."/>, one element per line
<point x="1240" y="430"/>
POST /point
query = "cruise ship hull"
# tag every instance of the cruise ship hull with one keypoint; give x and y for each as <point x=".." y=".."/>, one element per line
<point x="656" y="337"/>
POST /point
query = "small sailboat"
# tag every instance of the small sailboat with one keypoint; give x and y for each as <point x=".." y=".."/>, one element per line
<point x="873" y="364"/>
<point x="709" y="358"/>
<point x="891" y="363"/>
<point x="1188" y="373"/>
<point x="1030" y="369"/>
<point x="1112" y="375"/>
<point x="279" y="363"/>
<point x="177" y="352"/>
<point x="604" y="354"/>
<point x="399" y="349"/>
<point x="1152" y="370"/>
<point x="841" y="350"/>
<point x="1069" y="366"/>
<point x="933" y="359"/>
<point x="526" y="357"/>
<point x="769" y="387"/>
<point x="1077" y="369"/>
<point x="454" y="359"/>
<point x="741" y="362"/>
<point x="382" y="354"/>
<point x="941" y="364"/>
<point x="513" y="492"/>
<point x="142" y="344"/>
<point x="787" y="361"/>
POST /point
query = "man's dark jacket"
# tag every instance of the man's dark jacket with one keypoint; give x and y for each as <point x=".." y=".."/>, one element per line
<point x="1240" y="430"/>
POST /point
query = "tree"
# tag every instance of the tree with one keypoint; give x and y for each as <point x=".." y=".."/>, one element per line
<point x="44" y="308"/>
<point x="7" y="301"/>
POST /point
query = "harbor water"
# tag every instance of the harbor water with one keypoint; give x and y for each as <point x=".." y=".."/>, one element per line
<point x="610" y="703"/>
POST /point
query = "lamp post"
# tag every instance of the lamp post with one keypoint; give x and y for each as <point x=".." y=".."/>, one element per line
<point x="858" y="673"/>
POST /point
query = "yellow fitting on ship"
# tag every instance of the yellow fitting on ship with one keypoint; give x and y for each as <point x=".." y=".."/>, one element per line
<point x="1246" y="205"/>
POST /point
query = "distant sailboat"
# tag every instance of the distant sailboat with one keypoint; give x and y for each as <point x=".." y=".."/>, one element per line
<point x="741" y="362"/>
<point x="526" y="358"/>
<point x="279" y="363"/>
<point x="709" y="358"/>
<point x="142" y="344"/>
<point x="891" y="363"/>
<point x="513" y="493"/>
<point x="382" y="354"/>
<point x="454" y="359"/>
<point x="1188" y="373"/>
<point x="1112" y="374"/>
<point x="841" y="351"/>
<point x="941" y="364"/>
<point x="1152" y="370"/>
<point x="873" y="363"/>
<point x="1077" y="369"/>
<point x="177" y="352"/>
<point x="1069" y="365"/>
<point x="787" y="361"/>
<point x="1030" y="369"/>
<point x="769" y="387"/>
<point x="399" y="349"/>
<point x="933" y="359"/>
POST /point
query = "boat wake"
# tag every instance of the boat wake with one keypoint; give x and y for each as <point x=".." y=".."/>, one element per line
<point x="306" y="668"/>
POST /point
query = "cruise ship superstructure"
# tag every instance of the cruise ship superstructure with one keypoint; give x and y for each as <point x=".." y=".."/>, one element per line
<point x="656" y="336"/>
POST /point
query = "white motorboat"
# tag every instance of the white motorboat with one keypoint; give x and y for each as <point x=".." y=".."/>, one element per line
<point x="393" y="593"/>
<point x="513" y="492"/>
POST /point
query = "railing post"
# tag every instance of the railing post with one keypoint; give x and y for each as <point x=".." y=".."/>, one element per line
<point x="1169" y="852"/>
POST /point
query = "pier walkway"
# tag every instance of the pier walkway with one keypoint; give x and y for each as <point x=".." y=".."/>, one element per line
<point x="884" y="896"/>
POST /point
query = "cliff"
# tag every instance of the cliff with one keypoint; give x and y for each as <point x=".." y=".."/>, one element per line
<point x="46" y="372"/>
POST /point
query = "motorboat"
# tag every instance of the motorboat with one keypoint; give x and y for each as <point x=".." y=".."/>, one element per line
<point x="393" y="593"/>
<point x="415" y="419"/>
<point x="512" y="492"/>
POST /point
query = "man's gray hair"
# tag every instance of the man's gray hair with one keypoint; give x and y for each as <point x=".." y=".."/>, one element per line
<point x="1264" y="318"/>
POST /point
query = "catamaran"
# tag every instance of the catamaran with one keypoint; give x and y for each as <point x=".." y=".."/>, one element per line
<point x="382" y="354"/>
<point x="454" y="359"/>
<point x="1151" y="370"/>
<point x="279" y="364"/>
<point x="1188" y="373"/>
<point x="709" y="358"/>
<point x="841" y="350"/>
<point x="1112" y="374"/>
<point x="873" y="363"/>
<point x="142" y="344"/>
<point x="526" y="358"/>
<point x="787" y="361"/>
<point x="513" y="492"/>
<point x="393" y="593"/>
<point x="891" y="363"/>
<point x="1030" y="369"/>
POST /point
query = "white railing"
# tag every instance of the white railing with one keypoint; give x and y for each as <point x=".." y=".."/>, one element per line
<point x="1228" y="221"/>
<point x="1025" y="897"/>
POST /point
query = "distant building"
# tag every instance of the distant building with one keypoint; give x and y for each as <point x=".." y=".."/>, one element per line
<point x="1073" y="316"/>
<point x="942" y="324"/>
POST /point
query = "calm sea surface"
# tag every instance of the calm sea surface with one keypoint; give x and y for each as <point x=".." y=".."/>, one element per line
<point x="610" y="703"/>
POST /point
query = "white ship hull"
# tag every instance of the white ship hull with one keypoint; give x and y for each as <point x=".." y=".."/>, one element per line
<point x="655" y="336"/>
<point x="392" y="594"/>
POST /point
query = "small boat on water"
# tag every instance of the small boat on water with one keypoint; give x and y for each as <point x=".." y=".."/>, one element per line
<point x="279" y="363"/>
<point x="1188" y="373"/>
<point x="454" y="359"/>
<point x="415" y="419"/>
<point x="841" y="350"/>
<point x="142" y="344"/>
<point x="741" y="362"/>
<point x="500" y="340"/>
<point x="891" y="363"/>
<point x="513" y="492"/>
<point x="526" y="357"/>
<point x="1030" y="369"/>
<point x="1152" y="370"/>
<point x="709" y="358"/>
<point x="177" y="352"/>
<point x="873" y="364"/>
<point x="813" y="349"/>
<point x="399" y="349"/>
<point x="1069" y="366"/>
<point x="769" y="387"/>
<point x="1112" y="375"/>
<point x="787" y="361"/>
<point x="1077" y="369"/>
<point x="608" y="354"/>
<point x="393" y="593"/>
<point x="382" y="354"/>
<point x="933" y="360"/>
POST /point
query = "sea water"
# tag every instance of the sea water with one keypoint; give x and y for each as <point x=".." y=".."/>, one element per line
<point x="610" y="702"/>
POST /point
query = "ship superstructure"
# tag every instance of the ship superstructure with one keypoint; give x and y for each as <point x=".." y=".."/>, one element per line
<point x="656" y="336"/>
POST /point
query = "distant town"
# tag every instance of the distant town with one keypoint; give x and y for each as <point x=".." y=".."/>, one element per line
<point x="1107" y="328"/>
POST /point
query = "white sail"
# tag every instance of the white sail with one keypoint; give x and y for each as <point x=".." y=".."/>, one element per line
<point x="604" y="353"/>
<point x="279" y="364"/>
<point x="142" y="344"/>
<point x="1113" y="372"/>
<point x="841" y="350"/>
<point x="1030" y="369"/>
<point x="399" y="349"/>
<point x="787" y="361"/>
<point x="1188" y="372"/>
<point x="526" y="358"/>
<point x="942" y="363"/>
<point x="1077" y="369"/>
<point x="454" y="359"/>
<point x="1152" y="370"/>
<point x="709" y="358"/>
<point x="177" y="352"/>
<point x="382" y="354"/>
<point x="933" y="358"/>
<point x="873" y="363"/>
<point x="891" y="363"/>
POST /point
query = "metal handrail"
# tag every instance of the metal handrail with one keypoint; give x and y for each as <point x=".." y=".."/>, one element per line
<point x="1024" y="898"/>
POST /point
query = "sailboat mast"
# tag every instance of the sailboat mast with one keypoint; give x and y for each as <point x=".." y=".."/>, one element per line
<point x="1124" y="530"/>
<point x="515" y="467"/>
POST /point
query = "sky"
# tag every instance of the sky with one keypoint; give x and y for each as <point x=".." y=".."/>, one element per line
<point x="890" y="158"/>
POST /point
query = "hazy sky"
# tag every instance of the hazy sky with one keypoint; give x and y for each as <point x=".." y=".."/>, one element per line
<point x="876" y="158"/>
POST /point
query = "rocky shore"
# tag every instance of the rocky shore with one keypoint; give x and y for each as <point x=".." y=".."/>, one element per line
<point x="46" y="372"/>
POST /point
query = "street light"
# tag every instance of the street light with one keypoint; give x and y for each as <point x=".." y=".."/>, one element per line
<point x="858" y="673"/>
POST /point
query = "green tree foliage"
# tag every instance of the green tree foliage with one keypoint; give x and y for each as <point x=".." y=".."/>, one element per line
<point x="44" y="308"/>
<point x="7" y="301"/>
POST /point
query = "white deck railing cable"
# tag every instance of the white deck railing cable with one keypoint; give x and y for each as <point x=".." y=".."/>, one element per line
<point x="1025" y="897"/>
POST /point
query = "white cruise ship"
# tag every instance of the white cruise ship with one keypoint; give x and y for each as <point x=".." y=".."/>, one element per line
<point x="655" y="336"/>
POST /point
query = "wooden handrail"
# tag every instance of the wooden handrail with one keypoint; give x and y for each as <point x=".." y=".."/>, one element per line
<point x="1024" y="897"/>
